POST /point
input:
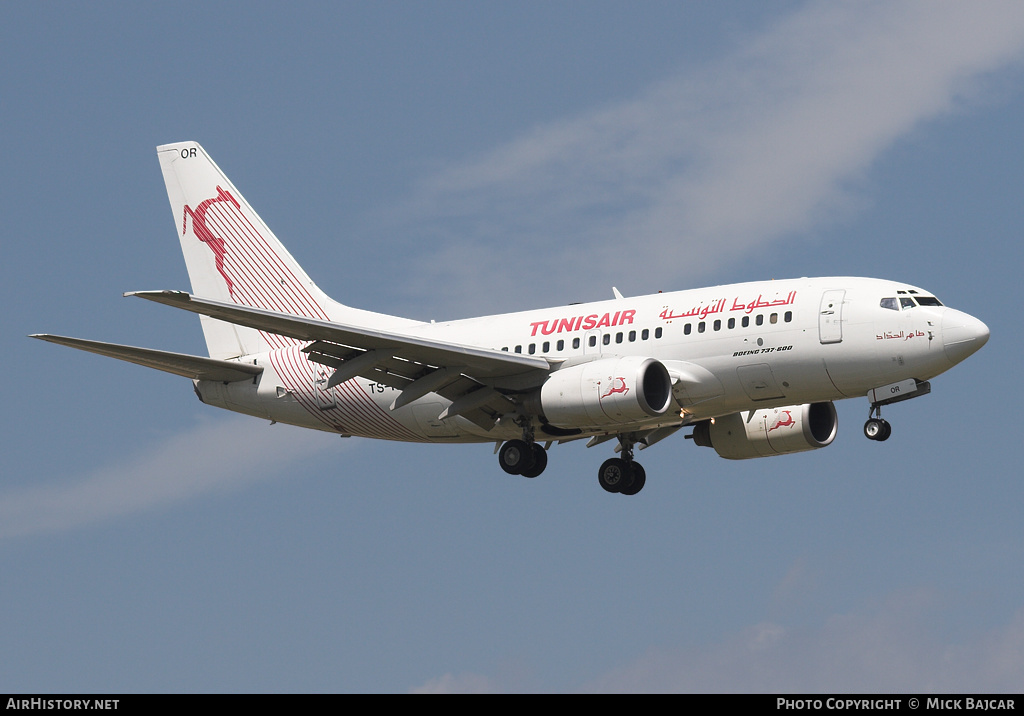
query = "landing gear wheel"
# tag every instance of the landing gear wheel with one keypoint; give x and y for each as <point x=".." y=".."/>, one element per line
<point x="872" y="429"/>
<point x="877" y="429"/>
<point x="635" y="480"/>
<point x="540" y="461"/>
<point x="886" y="431"/>
<point x="516" y="457"/>
<point x="612" y="474"/>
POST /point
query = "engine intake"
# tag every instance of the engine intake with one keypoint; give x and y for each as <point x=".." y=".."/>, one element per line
<point x="609" y="391"/>
<point x="771" y="431"/>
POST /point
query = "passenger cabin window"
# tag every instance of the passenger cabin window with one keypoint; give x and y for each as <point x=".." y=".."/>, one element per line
<point x="657" y="332"/>
<point x="575" y="343"/>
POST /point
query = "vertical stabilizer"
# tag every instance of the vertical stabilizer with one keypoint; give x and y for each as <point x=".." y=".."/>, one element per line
<point x="231" y="255"/>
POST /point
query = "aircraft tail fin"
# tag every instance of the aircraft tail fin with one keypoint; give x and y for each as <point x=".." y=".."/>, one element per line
<point x="231" y="254"/>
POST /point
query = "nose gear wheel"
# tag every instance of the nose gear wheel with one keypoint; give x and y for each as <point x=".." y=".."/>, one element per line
<point x="876" y="428"/>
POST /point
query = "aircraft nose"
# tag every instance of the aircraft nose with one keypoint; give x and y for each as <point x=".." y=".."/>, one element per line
<point x="962" y="334"/>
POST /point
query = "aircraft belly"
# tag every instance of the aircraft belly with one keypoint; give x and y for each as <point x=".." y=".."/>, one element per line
<point x="785" y="368"/>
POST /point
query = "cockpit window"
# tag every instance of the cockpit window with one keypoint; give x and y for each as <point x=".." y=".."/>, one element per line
<point x="906" y="303"/>
<point x="890" y="303"/>
<point x="928" y="301"/>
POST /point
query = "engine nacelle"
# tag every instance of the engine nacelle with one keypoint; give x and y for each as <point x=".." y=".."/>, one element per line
<point x="771" y="431"/>
<point x="608" y="391"/>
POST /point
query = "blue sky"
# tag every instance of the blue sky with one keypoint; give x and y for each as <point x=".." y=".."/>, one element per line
<point x="441" y="160"/>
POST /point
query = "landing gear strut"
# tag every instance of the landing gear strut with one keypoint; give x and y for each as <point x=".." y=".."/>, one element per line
<point x="876" y="428"/>
<point x="622" y="474"/>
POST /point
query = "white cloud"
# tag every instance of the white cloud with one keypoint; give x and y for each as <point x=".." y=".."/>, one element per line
<point x="465" y="683"/>
<point x="710" y="164"/>
<point x="897" y="645"/>
<point x="890" y="648"/>
<point x="213" y="456"/>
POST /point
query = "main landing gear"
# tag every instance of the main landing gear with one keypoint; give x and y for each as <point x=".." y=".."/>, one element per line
<point x="522" y="457"/>
<point x="618" y="474"/>
<point x="622" y="474"/>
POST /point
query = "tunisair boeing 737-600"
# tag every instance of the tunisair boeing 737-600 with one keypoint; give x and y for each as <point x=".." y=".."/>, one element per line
<point x="752" y="368"/>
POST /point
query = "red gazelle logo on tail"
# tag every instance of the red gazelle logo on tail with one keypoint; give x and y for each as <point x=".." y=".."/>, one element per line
<point x="204" y="233"/>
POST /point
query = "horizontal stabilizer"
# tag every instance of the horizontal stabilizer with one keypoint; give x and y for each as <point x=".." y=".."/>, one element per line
<point x="188" y="366"/>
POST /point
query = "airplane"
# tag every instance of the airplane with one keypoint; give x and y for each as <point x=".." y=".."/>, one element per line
<point x="753" y="368"/>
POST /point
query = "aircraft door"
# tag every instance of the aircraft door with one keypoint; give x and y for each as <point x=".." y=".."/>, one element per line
<point x="830" y="316"/>
<point x="592" y="343"/>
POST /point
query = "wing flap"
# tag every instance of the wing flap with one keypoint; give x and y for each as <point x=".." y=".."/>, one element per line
<point x="183" y="364"/>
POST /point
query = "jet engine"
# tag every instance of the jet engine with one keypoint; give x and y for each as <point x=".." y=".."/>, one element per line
<point x="771" y="431"/>
<point x="608" y="391"/>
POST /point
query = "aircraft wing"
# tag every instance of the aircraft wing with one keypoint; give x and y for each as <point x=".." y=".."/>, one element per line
<point x="189" y="366"/>
<point x="469" y="376"/>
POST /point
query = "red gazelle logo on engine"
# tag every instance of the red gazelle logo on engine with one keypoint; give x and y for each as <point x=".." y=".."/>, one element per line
<point x="618" y="386"/>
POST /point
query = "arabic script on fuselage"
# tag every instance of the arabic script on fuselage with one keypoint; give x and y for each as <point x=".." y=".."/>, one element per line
<point x="703" y="310"/>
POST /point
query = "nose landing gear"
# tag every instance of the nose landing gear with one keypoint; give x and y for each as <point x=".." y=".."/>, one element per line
<point x="876" y="428"/>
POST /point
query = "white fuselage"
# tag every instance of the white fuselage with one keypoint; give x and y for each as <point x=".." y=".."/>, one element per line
<point x="737" y="347"/>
